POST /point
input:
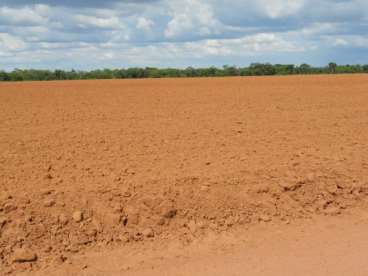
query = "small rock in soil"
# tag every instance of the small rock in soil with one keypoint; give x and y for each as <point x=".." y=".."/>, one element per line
<point x="192" y="226"/>
<point x="78" y="216"/>
<point x="171" y="213"/>
<point x="9" y="208"/>
<point x="332" y="189"/>
<point x="263" y="189"/>
<point x="290" y="186"/>
<point x="3" y="221"/>
<point x="63" y="219"/>
<point x="49" y="203"/>
<point x="45" y="192"/>
<point x="127" y="194"/>
<point x="23" y="255"/>
<point x="92" y="233"/>
<point x="148" y="233"/>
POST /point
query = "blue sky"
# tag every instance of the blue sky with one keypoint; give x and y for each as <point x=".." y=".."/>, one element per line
<point x="179" y="33"/>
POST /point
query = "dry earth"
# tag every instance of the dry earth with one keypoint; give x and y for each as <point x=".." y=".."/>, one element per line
<point x="91" y="167"/>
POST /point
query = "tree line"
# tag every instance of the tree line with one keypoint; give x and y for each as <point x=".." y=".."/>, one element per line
<point x="255" y="69"/>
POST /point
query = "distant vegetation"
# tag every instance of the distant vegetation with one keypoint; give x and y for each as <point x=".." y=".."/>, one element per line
<point x="255" y="69"/>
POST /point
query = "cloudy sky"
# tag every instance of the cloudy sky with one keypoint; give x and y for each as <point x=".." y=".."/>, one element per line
<point x="86" y="34"/>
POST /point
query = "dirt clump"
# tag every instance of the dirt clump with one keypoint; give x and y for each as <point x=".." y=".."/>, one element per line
<point x="23" y="255"/>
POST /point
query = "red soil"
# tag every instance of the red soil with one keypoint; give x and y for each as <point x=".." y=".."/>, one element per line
<point x="86" y="165"/>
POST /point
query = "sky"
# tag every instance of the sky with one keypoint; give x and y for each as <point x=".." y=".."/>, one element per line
<point x="83" y="35"/>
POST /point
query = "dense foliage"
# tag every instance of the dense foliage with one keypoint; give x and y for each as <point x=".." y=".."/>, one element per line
<point x="255" y="69"/>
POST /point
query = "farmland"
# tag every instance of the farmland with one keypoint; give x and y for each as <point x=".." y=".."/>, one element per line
<point x="97" y="165"/>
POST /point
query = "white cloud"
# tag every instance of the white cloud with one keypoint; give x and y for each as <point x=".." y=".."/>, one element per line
<point x="85" y="21"/>
<point x="280" y="8"/>
<point x="340" y="42"/>
<point x="118" y="54"/>
<point x="244" y="46"/>
<point x="26" y="15"/>
<point x="270" y="42"/>
<point x="145" y="24"/>
<point x="11" y="43"/>
<point x="359" y="41"/>
<point x="190" y="17"/>
<point x="42" y="9"/>
<point x="320" y="28"/>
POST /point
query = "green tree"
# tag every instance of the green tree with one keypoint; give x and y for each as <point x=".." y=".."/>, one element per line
<point x="231" y="71"/>
<point x="4" y="76"/>
<point x="260" y="69"/>
<point x="304" y="69"/>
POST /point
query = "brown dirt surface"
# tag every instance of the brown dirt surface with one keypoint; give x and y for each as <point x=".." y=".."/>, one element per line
<point x="97" y="166"/>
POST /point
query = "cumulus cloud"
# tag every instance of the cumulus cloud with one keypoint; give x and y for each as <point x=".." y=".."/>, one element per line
<point x="244" y="46"/>
<point x="25" y="16"/>
<point x="145" y="24"/>
<point x="348" y="41"/>
<point x="86" y="21"/>
<point x="163" y="33"/>
<point x="185" y="22"/>
<point x="280" y="8"/>
<point x="11" y="42"/>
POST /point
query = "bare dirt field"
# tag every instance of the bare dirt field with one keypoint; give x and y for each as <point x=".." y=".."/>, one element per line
<point x="185" y="176"/>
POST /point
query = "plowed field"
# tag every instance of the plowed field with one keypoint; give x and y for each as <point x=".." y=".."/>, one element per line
<point x="87" y="166"/>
